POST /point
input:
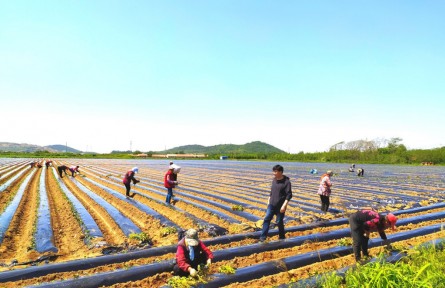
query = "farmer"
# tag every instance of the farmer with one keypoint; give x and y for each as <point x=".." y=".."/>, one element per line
<point x="128" y="178"/>
<point x="170" y="181"/>
<point x="48" y="163"/>
<point x="360" y="172"/>
<point x="280" y="194"/>
<point x="191" y="253"/>
<point x="63" y="168"/>
<point x="73" y="170"/>
<point x="324" y="190"/>
<point x="362" y="223"/>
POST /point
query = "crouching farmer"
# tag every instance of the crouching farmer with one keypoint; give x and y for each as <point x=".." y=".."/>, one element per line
<point x="190" y="254"/>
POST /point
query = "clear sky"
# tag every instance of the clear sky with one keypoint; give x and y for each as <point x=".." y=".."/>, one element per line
<point x="149" y="75"/>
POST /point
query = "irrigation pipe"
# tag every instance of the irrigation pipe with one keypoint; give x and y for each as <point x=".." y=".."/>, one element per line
<point x="251" y="272"/>
<point x="75" y="265"/>
<point x="294" y="262"/>
<point x="394" y="257"/>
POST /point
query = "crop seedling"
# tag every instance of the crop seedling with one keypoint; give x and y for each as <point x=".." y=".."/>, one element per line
<point x="237" y="208"/>
<point x="142" y="237"/>
<point x="227" y="269"/>
<point x="344" y="242"/>
<point x="188" y="282"/>
<point x="167" y="231"/>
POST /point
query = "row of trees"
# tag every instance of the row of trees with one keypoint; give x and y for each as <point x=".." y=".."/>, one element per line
<point x="373" y="152"/>
<point x="361" y="151"/>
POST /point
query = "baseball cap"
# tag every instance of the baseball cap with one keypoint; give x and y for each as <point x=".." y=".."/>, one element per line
<point x="135" y="169"/>
<point x="191" y="236"/>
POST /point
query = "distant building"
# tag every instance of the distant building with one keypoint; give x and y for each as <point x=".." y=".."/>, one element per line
<point x="179" y="156"/>
<point x="223" y="157"/>
<point x="142" y="155"/>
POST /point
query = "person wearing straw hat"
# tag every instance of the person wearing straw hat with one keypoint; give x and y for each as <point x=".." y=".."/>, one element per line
<point x="324" y="190"/>
<point x="362" y="223"/>
<point x="128" y="178"/>
<point x="190" y="254"/>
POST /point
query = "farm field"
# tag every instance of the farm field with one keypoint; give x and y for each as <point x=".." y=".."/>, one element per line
<point x="83" y="230"/>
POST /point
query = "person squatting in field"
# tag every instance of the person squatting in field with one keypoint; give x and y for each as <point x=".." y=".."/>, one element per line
<point x="72" y="169"/>
<point x="362" y="223"/>
<point x="280" y="194"/>
<point x="191" y="253"/>
<point x="128" y="178"/>
<point x="324" y="190"/>
<point x="170" y="181"/>
<point x="360" y="172"/>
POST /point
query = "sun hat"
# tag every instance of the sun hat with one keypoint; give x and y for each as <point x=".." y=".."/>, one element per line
<point x="191" y="237"/>
<point x="175" y="168"/>
<point x="392" y="219"/>
<point x="135" y="169"/>
<point x="329" y="172"/>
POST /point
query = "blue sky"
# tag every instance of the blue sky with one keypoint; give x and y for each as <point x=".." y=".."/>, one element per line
<point x="149" y="75"/>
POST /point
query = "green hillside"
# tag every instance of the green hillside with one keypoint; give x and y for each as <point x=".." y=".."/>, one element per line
<point x="30" y="148"/>
<point x="252" y="147"/>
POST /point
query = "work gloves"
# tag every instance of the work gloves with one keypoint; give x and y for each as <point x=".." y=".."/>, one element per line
<point x="193" y="272"/>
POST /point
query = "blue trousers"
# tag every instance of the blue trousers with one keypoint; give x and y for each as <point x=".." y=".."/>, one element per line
<point x="271" y="211"/>
<point x="169" y="195"/>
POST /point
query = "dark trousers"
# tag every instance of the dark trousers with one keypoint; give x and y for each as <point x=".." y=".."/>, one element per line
<point x="359" y="240"/>
<point x="324" y="203"/>
<point x="128" y="188"/>
<point x="61" y="169"/>
<point x="271" y="211"/>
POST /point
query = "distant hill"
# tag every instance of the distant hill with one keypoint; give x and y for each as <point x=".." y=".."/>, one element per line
<point x="252" y="147"/>
<point x="62" y="148"/>
<point x="23" y="147"/>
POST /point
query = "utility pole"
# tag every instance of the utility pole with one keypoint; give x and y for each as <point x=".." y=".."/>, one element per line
<point x="130" y="146"/>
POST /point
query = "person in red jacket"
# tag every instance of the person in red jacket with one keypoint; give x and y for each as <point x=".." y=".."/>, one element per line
<point x="190" y="254"/>
<point x="170" y="182"/>
<point x="362" y="223"/>
<point x="63" y="168"/>
<point x="48" y="163"/>
<point x="128" y="178"/>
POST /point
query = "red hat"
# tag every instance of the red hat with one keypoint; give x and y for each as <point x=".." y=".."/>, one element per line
<point x="392" y="220"/>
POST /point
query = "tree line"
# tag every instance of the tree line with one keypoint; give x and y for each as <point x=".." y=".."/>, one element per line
<point x="361" y="151"/>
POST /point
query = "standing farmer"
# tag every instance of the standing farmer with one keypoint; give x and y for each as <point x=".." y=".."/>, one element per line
<point x="170" y="182"/>
<point x="324" y="190"/>
<point x="280" y="194"/>
<point x="129" y="176"/>
<point x="364" y="222"/>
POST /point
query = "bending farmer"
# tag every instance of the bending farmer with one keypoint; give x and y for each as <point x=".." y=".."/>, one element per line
<point x="364" y="222"/>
